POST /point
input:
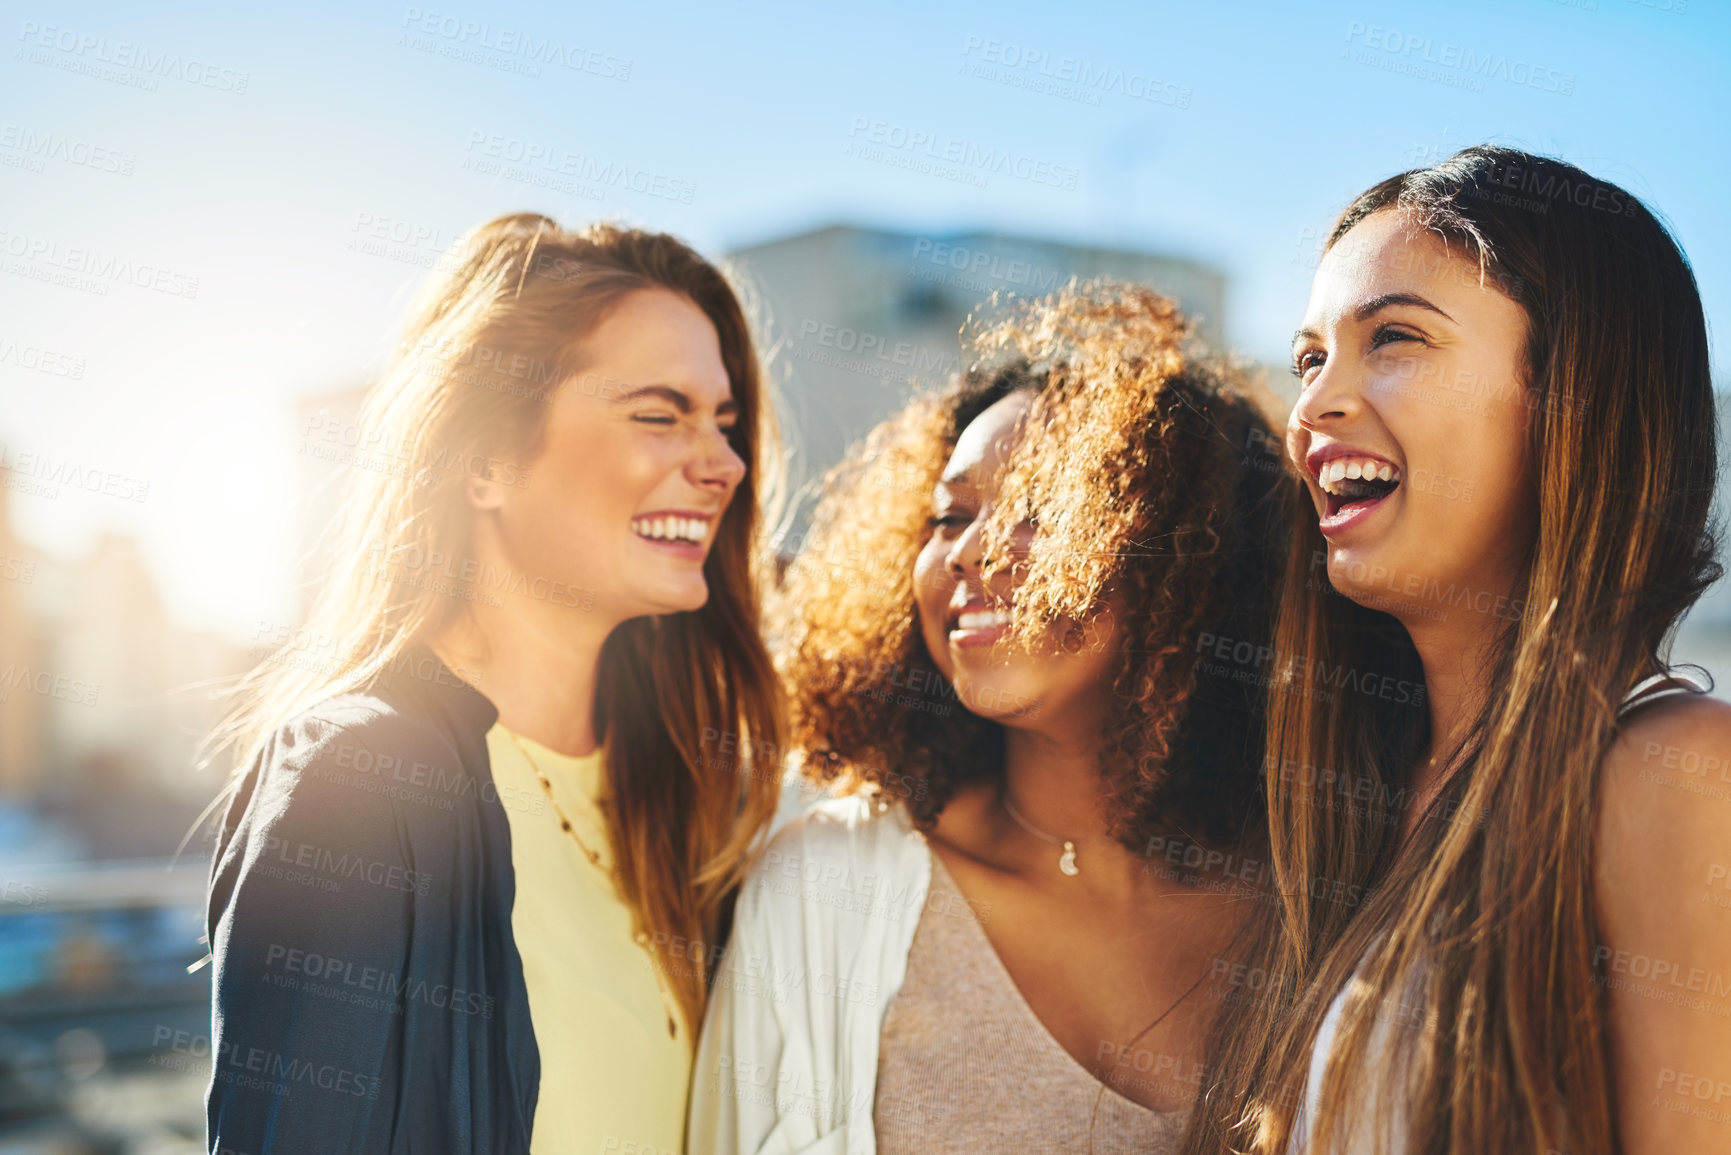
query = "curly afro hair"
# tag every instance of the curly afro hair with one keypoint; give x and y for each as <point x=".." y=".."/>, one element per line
<point x="1151" y="475"/>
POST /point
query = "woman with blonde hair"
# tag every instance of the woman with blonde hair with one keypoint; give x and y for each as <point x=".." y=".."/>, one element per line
<point x="466" y="885"/>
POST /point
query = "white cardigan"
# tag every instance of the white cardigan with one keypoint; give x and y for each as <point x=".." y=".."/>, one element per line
<point x="788" y="1061"/>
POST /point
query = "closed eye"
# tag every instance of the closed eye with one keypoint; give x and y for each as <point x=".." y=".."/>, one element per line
<point x="1386" y="334"/>
<point x="654" y="419"/>
<point x="948" y="521"/>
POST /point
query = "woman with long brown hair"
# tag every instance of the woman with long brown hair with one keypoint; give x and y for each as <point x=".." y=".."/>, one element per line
<point x="1000" y="645"/>
<point x="469" y="821"/>
<point x="1499" y="929"/>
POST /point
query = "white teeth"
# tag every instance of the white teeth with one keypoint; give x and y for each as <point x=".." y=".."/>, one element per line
<point x="1357" y="468"/>
<point x="671" y="528"/>
<point x="982" y="620"/>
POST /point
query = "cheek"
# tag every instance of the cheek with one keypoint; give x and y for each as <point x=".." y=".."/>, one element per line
<point x="1489" y="486"/>
<point x="599" y="479"/>
<point x="932" y="588"/>
<point x="1469" y="459"/>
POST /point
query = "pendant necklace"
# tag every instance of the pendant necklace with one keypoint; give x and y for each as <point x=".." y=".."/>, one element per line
<point x="1066" y="860"/>
<point x="642" y="937"/>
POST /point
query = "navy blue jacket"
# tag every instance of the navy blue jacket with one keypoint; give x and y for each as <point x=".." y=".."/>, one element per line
<point x="368" y="994"/>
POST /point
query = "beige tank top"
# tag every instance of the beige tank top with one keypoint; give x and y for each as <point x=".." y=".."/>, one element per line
<point x="964" y="1065"/>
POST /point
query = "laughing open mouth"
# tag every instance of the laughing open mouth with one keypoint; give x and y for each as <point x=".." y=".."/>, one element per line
<point x="1349" y="482"/>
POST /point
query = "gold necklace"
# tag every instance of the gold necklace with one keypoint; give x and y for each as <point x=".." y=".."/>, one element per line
<point x="642" y="937"/>
<point x="1067" y="860"/>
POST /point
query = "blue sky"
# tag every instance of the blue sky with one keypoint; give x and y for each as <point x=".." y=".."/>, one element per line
<point x="277" y="137"/>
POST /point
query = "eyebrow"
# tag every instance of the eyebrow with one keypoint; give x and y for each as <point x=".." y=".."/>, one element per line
<point x="675" y="398"/>
<point x="1373" y="306"/>
<point x="1378" y="303"/>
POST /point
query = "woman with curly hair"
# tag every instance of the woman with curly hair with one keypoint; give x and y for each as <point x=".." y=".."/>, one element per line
<point x="1009" y="643"/>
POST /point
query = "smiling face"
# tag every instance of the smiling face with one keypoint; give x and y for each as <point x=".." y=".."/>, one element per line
<point x="634" y="467"/>
<point x="1411" y="427"/>
<point x="964" y="615"/>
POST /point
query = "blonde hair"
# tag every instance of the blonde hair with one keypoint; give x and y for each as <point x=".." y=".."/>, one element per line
<point x="486" y="347"/>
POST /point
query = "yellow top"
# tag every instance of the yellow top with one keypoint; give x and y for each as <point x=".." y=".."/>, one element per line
<point x="611" y="1078"/>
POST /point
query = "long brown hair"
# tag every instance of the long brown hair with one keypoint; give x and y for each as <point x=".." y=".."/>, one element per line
<point x="485" y="349"/>
<point x="1476" y="938"/>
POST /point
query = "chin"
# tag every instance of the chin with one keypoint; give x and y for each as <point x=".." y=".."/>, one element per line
<point x="1374" y="582"/>
<point x="996" y="700"/>
<point x="682" y="601"/>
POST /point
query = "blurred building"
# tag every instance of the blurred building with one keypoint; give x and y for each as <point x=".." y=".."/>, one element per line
<point x="856" y="320"/>
<point x="104" y="701"/>
<point x="20" y="650"/>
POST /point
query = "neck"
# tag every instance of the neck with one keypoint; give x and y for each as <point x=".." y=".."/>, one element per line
<point x="1054" y="782"/>
<point x="538" y="663"/>
<point x="1453" y="653"/>
<point x="1052" y="778"/>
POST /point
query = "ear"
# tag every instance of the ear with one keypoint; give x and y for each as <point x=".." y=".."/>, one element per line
<point x="484" y="493"/>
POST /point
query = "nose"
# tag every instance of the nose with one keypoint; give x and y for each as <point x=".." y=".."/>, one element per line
<point x="717" y="466"/>
<point x="963" y="559"/>
<point x="1333" y="397"/>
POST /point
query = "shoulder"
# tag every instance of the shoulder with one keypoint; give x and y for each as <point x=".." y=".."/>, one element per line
<point x="1670" y="757"/>
<point x="841" y="857"/>
<point x="356" y="773"/>
<point x="364" y="727"/>
<point x="367" y="750"/>
<point x="852" y="830"/>
<point x="1664" y="828"/>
